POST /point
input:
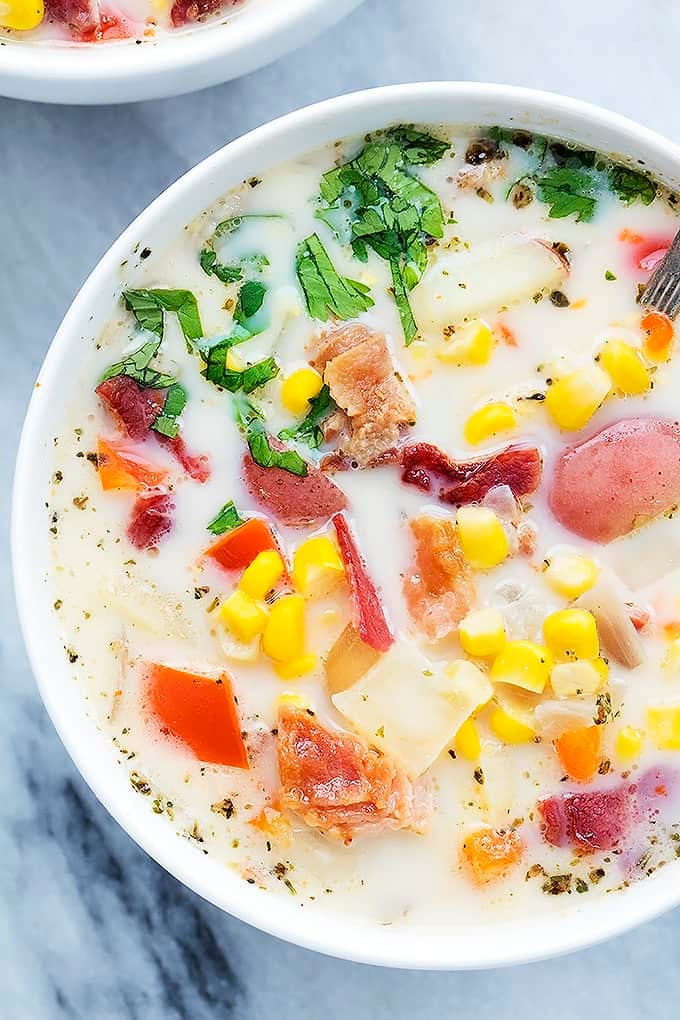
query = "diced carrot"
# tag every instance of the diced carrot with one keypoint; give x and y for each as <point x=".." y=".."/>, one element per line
<point x="580" y="751"/>
<point x="658" y="339"/>
<point x="198" y="710"/>
<point x="122" y="468"/>
<point x="238" y="548"/>
<point x="629" y="237"/>
<point x="490" y="853"/>
<point x="271" y="822"/>
<point x="506" y="334"/>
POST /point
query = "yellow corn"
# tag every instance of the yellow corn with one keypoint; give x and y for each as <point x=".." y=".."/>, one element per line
<point x="570" y="575"/>
<point x="573" y="400"/>
<point x="664" y="726"/>
<point x="570" y="679"/>
<point x="21" y="15"/>
<point x="467" y="742"/>
<point x="572" y="634"/>
<point x="299" y="388"/>
<point x="629" y="743"/>
<point x="471" y="344"/>
<point x="488" y="421"/>
<point x="510" y="730"/>
<point x="262" y="574"/>
<point x="482" y="632"/>
<point x="284" y="634"/>
<point x="295" y="668"/>
<point x="523" y="664"/>
<point x="317" y="567"/>
<point x="625" y="367"/>
<point x="482" y="538"/>
<point x="244" y="617"/>
<point x="293" y="699"/>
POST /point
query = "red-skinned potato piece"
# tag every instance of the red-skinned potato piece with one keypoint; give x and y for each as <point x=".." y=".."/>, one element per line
<point x="197" y="710"/>
<point x="238" y="548"/>
<point x="151" y="518"/>
<point x="603" y="487"/>
<point x="593" y="820"/>
<point x="468" y="481"/>
<point x="367" y="611"/>
<point x="295" y="500"/>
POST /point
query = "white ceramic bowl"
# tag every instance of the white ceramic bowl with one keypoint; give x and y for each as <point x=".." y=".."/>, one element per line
<point x="586" y="921"/>
<point x="173" y="63"/>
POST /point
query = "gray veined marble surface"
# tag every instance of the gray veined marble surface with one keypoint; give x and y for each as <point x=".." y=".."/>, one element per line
<point x="90" y="927"/>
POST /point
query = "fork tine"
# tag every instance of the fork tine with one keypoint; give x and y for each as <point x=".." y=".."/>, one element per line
<point x="663" y="290"/>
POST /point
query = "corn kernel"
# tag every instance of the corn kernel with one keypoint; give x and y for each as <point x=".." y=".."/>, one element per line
<point x="523" y="664"/>
<point x="262" y="574"/>
<point x="295" y="668"/>
<point x="664" y="726"/>
<point x="488" y="421"/>
<point x="482" y="632"/>
<point x="234" y="362"/>
<point x="573" y="400"/>
<point x="299" y="388"/>
<point x="482" y="538"/>
<point x="572" y="634"/>
<point x="244" y="617"/>
<point x="570" y="679"/>
<point x="284" y="634"/>
<point x="471" y="344"/>
<point x="510" y="730"/>
<point x="467" y="742"/>
<point x="21" y="15"/>
<point x="317" y="567"/>
<point x="629" y="743"/>
<point x="625" y="367"/>
<point x="570" y="575"/>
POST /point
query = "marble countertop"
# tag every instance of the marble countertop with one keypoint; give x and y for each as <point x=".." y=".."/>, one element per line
<point x="90" y="927"/>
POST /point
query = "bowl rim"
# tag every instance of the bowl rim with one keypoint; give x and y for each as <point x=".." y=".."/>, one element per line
<point x="170" y="64"/>
<point x="521" y="940"/>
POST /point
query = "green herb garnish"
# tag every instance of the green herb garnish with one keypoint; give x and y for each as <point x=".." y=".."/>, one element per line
<point x="418" y="147"/>
<point x="136" y="366"/>
<point x="251" y="422"/>
<point x="226" y="520"/>
<point x="609" y="275"/>
<point x="326" y="292"/>
<point x="567" y="191"/>
<point x="308" y="430"/>
<point x="175" y="402"/>
<point x="630" y="185"/>
<point x="148" y="306"/>
<point x="249" y="302"/>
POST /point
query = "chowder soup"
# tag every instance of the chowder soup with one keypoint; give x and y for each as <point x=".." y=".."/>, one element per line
<point x="365" y="552"/>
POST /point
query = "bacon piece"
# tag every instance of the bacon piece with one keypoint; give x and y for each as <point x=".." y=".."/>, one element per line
<point x="594" y="820"/>
<point x="625" y="474"/>
<point x="357" y="367"/>
<point x="134" y="407"/>
<point x="80" y="15"/>
<point x="297" y="501"/>
<point x="439" y="591"/>
<point x="184" y="12"/>
<point x="367" y="611"/>
<point x="468" y="481"/>
<point x="338" y="784"/>
<point x="151" y="518"/>
<point x="197" y="466"/>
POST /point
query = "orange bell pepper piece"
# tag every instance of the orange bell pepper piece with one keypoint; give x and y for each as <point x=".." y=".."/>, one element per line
<point x="580" y="752"/>
<point x="488" y="853"/>
<point x="200" y="711"/>
<point x="121" y="468"/>
<point x="658" y="330"/>
<point x="238" y="548"/>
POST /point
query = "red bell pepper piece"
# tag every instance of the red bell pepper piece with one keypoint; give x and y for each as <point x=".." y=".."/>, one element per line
<point x="367" y="611"/>
<point x="122" y="468"/>
<point x="238" y="548"/>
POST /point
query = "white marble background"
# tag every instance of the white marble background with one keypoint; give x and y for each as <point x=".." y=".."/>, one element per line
<point x="89" y="927"/>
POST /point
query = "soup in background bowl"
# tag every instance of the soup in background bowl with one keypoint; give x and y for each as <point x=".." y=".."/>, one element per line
<point x="345" y="533"/>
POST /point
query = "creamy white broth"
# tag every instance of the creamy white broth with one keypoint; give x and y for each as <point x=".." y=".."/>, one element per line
<point x="120" y="606"/>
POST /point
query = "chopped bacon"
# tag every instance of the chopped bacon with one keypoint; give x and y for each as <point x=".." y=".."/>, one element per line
<point x="197" y="466"/>
<point x="184" y="12"/>
<point x="357" y="367"/>
<point x="367" y="611"/>
<point x="338" y="784"/>
<point x="468" y="481"/>
<point x="593" y="820"/>
<point x="604" y="487"/>
<point x="134" y="407"/>
<point x="295" y="500"/>
<point x="80" y="15"/>
<point x="151" y="518"/>
<point x="439" y="591"/>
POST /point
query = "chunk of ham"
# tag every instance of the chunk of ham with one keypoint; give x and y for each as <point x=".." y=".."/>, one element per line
<point x="151" y="518"/>
<point x="185" y="12"/>
<point x="295" y="500"/>
<point x="358" y="368"/>
<point x="338" y="784"/>
<point x="624" y="475"/>
<point x="368" y="615"/>
<point x="197" y="466"/>
<point x="81" y="16"/>
<point x="439" y="589"/>
<point x="469" y="481"/>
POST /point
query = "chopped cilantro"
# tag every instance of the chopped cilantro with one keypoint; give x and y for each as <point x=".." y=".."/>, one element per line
<point x="418" y="147"/>
<point x="630" y="185"/>
<point x="567" y="191"/>
<point x="226" y="520"/>
<point x="308" y="430"/>
<point x="148" y="306"/>
<point x="326" y="292"/>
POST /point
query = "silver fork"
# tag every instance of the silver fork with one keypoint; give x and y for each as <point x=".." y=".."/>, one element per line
<point x="663" y="290"/>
